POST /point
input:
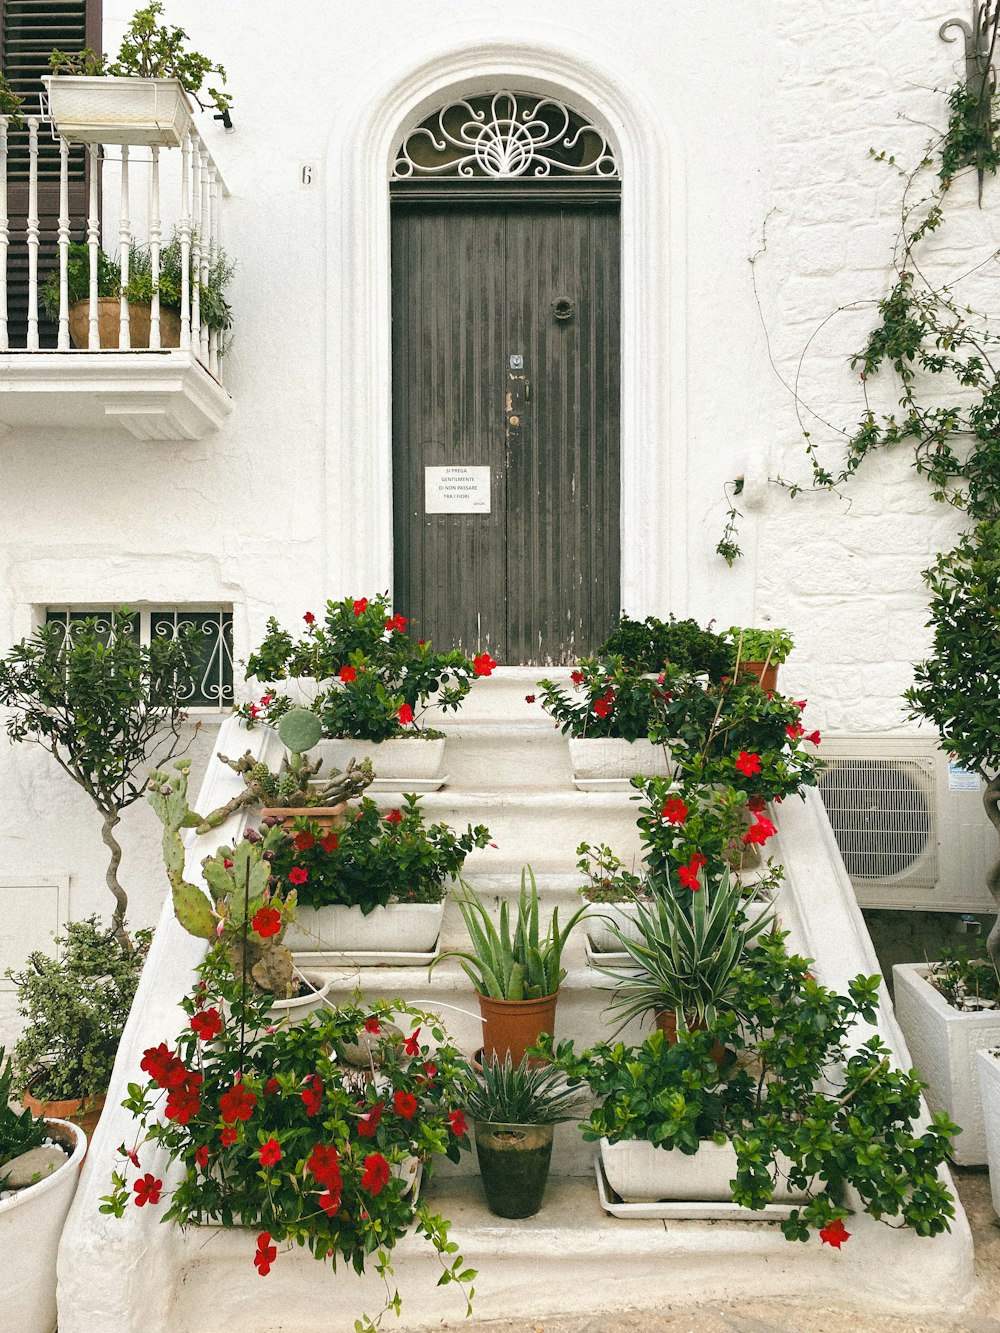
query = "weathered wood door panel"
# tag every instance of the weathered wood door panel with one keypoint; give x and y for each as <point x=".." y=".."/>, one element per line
<point x="505" y="355"/>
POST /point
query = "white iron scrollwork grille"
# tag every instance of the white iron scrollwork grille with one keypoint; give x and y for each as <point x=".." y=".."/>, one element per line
<point x="505" y="136"/>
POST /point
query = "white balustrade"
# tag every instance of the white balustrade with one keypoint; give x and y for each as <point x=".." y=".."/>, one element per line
<point x="138" y="196"/>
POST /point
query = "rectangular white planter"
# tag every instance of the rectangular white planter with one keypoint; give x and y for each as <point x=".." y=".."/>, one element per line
<point x="397" y="761"/>
<point x="989" y="1086"/>
<point x="602" y="916"/>
<point x="605" y="759"/>
<point x="122" y="111"/>
<point x="943" y="1042"/>
<point x="642" y="1173"/>
<point x="398" y="928"/>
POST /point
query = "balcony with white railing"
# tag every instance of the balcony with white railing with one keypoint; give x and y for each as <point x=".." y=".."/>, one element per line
<point x="77" y="220"/>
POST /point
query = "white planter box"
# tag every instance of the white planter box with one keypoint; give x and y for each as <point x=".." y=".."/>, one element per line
<point x="398" y="928"/>
<point x="396" y="761"/>
<point x="641" y="1173"/>
<point x="989" y="1086"/>
<point x="943" y="1042"/>
<point x="602" y="916"/>
<point x="124" y="111"/>
<point x="604" y="760"/>
<point x="31" y="1222"/>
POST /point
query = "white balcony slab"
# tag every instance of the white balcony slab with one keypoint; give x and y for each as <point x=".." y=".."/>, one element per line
<point x="153" y="395"/>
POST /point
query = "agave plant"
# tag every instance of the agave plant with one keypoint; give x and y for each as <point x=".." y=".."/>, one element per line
<point x="521" y="1094"/>
<point x="506" y="965"/>
<point x="684" y="959"/>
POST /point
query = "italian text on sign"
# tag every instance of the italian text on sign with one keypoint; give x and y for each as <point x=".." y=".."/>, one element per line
<point x="456" y="490"/>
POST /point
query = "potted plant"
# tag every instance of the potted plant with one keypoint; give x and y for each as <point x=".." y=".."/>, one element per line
<point x="517" y="974"/>
<point x="759" y="652"/>
<point x="103" y="705"/>
<point x="948" y="1010"/>
<point x="244" y="915"/>
<point x="138" y="98"/>
<point x="684" y="967"/>
<point x="74" y="1006"/>
<point x="989" y="1086"/>
<point x="516" y="1109"/>
<point x="374" y="687"/>
<point x="295" y="790"/>
<point x="802" y="1107"/>
<point x="275" y="1130"/>
<point x="376" y="883"/>
<point x="138" y="291"/>
<point x="613" y="893"/>
<point x="651" y="644"/>
<point x="40" y="1162"/>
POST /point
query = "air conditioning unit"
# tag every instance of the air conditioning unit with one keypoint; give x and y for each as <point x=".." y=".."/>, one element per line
<point x="910" y="826"/>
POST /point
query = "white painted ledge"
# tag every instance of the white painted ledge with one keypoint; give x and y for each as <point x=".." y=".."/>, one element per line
<point x="154" y="395"/>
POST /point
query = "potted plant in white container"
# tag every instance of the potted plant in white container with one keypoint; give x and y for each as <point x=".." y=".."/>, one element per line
<point x="798" y="1111"/>
<point x="613" y="894"/>
<point x="40" y="1163"/>
<point x="372" y="688"/>
<point x="138" y="98"/>
<point x="989" y="1085"/>
<point x="375" y="884"/>
<point x="948" y="1010"/>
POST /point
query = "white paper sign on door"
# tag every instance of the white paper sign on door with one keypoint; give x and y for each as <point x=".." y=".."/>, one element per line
<point x="456" y="490"/>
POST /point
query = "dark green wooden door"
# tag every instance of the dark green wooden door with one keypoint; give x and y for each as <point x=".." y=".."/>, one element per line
<point x="506" y="370"/>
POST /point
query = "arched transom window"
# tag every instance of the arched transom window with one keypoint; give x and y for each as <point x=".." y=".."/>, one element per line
<point x="505" y="135"/>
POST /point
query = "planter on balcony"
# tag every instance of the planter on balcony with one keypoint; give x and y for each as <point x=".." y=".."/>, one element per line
<point x="408" y="764"/>
<point x="109" y="323"/>
<point x="607" y="762"/>
<point x="640" y="1173"/>
<point x="400" y="928"/>
<point x="989" y="1084"/>
<point x="108" y="110"/>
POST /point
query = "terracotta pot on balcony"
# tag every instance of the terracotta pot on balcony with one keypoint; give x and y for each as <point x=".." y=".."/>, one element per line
<point x="108" y="316"/>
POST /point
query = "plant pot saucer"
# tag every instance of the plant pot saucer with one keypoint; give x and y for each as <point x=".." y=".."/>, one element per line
<point x="679" y="1210"/>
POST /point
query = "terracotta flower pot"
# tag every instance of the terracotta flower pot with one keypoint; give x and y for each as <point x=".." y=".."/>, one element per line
<point x="766" y="675"/>
<point x="108" y="320"/>
<point x="666" y="1022"/>
<point x="514" y="1025"/>
<point x="82" y="1111"/>
<point x="326" y="816"/>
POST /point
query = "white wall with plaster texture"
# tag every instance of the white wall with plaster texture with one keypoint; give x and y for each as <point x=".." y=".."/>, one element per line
<point x="761" y="117"/>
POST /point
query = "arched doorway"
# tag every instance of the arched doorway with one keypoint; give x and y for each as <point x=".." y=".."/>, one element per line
<point x="506" y="378"/>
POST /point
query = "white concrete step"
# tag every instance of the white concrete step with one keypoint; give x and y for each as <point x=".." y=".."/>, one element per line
<point x="498" y="756"/>
<point x="502" y="697"/>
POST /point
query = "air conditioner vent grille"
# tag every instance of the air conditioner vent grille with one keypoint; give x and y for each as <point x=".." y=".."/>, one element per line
<point x="881" y="811"/>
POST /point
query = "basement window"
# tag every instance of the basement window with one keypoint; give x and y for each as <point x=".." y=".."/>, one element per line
<point x="213" y="685"/>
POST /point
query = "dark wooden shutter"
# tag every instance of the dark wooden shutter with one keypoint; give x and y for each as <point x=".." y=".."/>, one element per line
<point x="32" y="29"/>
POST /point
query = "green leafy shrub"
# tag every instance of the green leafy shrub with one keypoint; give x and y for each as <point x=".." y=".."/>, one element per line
<point x="650" y="644"/>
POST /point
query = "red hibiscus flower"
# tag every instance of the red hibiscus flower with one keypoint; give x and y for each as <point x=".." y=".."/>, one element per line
<point x="329" y="1200"/>
<point x="412" y="1044"/>
<point x="373" y="1026"/>
<point x="266" y="922"/>
<point x="688" y="876"/>
<point x="429" y="1074"/>
<point x="207" y="1023"/>
<point x="813" y="737"/>
<point x="330" y="843"/>
<point x="759" y="832"/>
<point x="529" y="698"/>
<point x="602" y="708"/>
<point x="369" y="1123"/>
<point x="405" y="1105"/>
<point x="254" y="712"/>
<point x="457" y="1122"/>
<point x="794" y="731"/>
<point x="748" y="764"/>
<point x="405" y="715"/>
<point x="674" y="811"/>
<point x="304" y="841"/>
<point x="183" y="1104"/>
<point x="324" y="1164"/>
<point x="201" y="1156"/>
<point x="237" y="1104"/>
<point x="834" y="1233"/>
<point x="394" y="817"/>
<point x="298" y="875"/>
<point x="360" y="606"/>
<point x="147" y="1190"/>
<point x="576" y="677"/>
<point x="800" y="703"/>
<point x="375" y="1176"/>
<point x="266" y="1254"/>
<point x="483" y="665"/>
<point x="312" y="1094"/>
<point x="229" y="1136"/>
<point x="347" y="674"/>
<point x="756" y="804"/>
<point x="132" y="1156"/>
<point x="271" y="1086"/>
<point x="270" y="1153"/>
<point x="309" y="618"/>
<point x="397" y="623"/>
<point x="165" y="1068"/>
<point x="265" y="700"/>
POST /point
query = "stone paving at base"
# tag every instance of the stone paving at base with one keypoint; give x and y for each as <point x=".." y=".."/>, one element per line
<point x="761" y="1316"/>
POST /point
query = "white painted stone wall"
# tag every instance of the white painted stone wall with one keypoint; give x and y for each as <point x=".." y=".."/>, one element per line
<point x="743" y="131"/>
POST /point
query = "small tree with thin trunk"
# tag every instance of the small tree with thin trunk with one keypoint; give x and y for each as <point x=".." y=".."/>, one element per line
<point x="958" y="688"/>
<point x="104" y="706"/>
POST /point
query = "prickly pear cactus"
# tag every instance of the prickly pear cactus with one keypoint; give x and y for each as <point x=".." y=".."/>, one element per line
<point x="299" y="730"/>
<point x="168" y="797"/>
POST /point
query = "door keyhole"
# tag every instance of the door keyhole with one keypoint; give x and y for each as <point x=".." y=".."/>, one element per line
<point x="563" y="308"/>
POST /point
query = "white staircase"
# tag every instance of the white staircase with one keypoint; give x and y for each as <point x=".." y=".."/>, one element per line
<point x="507" y="767"/>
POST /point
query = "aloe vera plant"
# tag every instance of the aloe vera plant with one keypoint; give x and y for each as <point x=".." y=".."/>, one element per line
<point x="512" y="965"/>
<point x="686" y="955"/>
